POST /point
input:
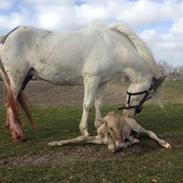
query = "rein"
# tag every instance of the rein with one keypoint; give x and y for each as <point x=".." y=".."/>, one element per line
<point x="138" y="107"/>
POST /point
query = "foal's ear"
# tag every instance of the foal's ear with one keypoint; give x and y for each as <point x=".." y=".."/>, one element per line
<point x="101" y="121"/>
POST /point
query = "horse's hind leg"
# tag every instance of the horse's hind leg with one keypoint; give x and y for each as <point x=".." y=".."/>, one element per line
<point x="15" y="95"/>
<point x="12" y="115"/>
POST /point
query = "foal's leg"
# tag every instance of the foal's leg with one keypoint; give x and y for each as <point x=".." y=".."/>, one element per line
<point x="152" y="135"/>
<point x="131" y="141"/>
<point x="136" y="127"/>
<point x="90" y="88"/>
<point x="77" y="140"/>
<point x="98" y="104"/>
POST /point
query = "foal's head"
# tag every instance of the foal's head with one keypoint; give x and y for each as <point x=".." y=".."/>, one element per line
<point x="114" y="127"/>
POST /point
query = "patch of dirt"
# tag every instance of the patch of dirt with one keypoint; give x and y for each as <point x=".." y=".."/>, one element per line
<point x="86" y="153"/>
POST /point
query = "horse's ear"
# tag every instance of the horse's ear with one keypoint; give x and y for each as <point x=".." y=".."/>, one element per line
<point x="157" y="82"/>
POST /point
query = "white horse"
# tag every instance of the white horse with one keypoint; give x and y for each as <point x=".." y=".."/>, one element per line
<point x="92" y="56"/>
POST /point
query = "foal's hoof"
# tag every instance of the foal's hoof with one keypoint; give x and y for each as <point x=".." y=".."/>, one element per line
<point x="166" y="145"/>
<point x="112" y="148"/>
<point x="135" y="141"/>
<point x="53" y="143"/>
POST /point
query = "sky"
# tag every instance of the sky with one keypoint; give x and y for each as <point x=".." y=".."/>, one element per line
<point x="158" y="22"/>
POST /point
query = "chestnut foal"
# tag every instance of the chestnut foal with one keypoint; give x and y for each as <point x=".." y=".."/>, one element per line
<point x="115" y="132"/>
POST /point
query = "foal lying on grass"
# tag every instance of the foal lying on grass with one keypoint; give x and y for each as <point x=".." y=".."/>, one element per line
<point x="115" y="132"/>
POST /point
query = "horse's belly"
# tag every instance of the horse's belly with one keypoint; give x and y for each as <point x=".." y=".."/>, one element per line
<point x="62" y="78"/>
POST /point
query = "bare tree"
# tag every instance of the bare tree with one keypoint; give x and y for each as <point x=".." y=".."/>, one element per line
<point x="165" y="68"/>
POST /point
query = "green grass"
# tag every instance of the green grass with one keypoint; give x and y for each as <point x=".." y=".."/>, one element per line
<point x="172" y="92"/>
<point x="163" y="166"/>
<point x="55" y="123"/>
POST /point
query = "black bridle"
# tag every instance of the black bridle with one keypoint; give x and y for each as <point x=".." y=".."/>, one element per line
<point x="146" y="97"/>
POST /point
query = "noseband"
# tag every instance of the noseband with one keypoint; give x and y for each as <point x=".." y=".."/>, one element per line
<point x="138" y="107"/>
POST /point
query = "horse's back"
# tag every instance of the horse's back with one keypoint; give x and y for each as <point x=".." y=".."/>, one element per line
<point x="69" y="56"/>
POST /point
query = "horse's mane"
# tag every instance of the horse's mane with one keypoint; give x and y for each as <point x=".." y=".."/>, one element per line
<point x="140" y="46"/>
<point x="1" y="38"/>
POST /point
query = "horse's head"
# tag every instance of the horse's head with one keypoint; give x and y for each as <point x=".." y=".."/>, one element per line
<point x="140" y="92"/>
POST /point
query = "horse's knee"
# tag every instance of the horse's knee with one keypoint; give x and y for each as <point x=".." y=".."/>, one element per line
<point x="87" y="106"/>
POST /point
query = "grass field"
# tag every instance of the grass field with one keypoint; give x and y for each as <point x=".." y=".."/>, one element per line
<point x="34" y="161"/>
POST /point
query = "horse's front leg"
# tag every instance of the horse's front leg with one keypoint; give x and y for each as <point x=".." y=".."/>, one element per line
<point x="90" y="88"/>
<point x="98" y="104"/>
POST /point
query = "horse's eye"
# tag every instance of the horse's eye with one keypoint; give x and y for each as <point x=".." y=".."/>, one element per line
<point x="111" y="129"/>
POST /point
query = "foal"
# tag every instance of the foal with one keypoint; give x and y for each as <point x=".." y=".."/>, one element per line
<point x="115" y="132"/>
<point x="103" y="137"/>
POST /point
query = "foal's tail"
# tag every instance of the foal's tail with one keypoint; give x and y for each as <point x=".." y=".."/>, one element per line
<point x="139" y="45"/>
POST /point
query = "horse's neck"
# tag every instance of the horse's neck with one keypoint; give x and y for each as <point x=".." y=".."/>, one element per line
<point x="140" y="79"/>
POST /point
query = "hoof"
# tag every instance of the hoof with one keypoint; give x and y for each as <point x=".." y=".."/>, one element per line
<point x="167" y="145"/>
<point x="17" y="138"/>
<point x="136" y="141"/>
<point x="112" y="148"/>
<point x="53" y="143"/>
